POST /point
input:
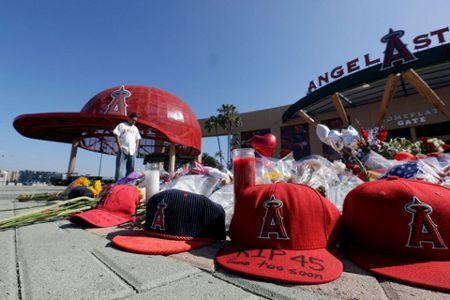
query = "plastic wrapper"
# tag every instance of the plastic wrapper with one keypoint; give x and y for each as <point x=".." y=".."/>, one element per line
<point x="337" y="192"/>
<point x="375" y="161"/>
<point x="316" y="172"/>
<point x="321" y="174"/>
<point x="271" y="170"/>
<point x="199" y="184"/>
<point x="264" y="170"/>
<point x="225" y="197"/>
<point x="216" y="173"/>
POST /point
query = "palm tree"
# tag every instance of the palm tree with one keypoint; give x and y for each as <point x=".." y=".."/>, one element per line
<point x="208" y="160"/>
<point x="213" y="123"/>
<point x="230" y="120"/>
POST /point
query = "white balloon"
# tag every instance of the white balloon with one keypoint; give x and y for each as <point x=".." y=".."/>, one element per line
<point x="335" y="140"/>
<point x="352" y="130"/>
<point x="322" y="132"/>
<point x="350" y="137"/>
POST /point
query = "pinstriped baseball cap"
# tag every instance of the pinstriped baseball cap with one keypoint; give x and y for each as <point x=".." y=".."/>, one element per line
<point x="176" y="221"/>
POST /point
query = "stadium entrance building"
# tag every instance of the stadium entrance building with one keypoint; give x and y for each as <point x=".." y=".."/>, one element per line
<point x="407" y="91"/>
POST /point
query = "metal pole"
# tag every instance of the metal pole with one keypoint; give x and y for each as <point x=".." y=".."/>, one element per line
<point x="73" y="157"/>
<point x="172" y="156"/>
<point x="100" y="164"/>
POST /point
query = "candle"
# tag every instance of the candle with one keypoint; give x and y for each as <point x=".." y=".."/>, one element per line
<point x="243" y="168"/>
<point x="151" y="182"/>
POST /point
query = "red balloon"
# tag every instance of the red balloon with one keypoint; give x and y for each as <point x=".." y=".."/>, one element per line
<point x="264" y="144"/>
<point x="404" y="156"/>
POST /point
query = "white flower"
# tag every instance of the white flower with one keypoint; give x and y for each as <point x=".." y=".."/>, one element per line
<point x="339" y="166"/>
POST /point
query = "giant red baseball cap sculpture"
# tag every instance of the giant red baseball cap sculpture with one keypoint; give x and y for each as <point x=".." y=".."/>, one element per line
<point x="162" y="119"/>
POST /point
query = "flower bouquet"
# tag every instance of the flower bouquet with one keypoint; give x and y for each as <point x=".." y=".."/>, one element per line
<point x="94" y="186"/>
<point x="61" y="209"/>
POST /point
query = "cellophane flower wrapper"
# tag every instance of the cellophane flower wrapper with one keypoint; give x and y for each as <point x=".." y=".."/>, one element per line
<point x="199" y="184"/>
<point x="318" y="172"/>
<point x="271" y="170"/>
<point x="264" y="168"/>
<point x="374" y="161"/>
<point x="215" y="173"/>
<point x="336" y="193"/>
<point x="225" y="197"/>
<point x="315" y="171"/>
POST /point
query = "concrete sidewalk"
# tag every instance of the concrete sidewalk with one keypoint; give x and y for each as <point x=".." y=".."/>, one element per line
<point x="58" y="260"/>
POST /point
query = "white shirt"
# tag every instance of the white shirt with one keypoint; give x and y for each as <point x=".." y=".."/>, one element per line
<point x="128" y="136"/>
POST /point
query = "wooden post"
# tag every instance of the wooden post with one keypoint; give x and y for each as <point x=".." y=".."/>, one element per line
<point x="302" y="114"/>
<point x="389" y="90"/>
<point x="73" y="157"/>
<point x="158" y="146"/>
<point x="340" y="109"/>
<point x="425" y="91"/>
<point x="172" y="157"/>
<point x="413" y="132"/>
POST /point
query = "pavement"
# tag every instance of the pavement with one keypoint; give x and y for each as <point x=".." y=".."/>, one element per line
<point x="59" y="260"/>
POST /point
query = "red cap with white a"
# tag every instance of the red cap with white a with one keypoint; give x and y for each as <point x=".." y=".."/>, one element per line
<point x="400" y="229"/>
<point x="283" y="232"/>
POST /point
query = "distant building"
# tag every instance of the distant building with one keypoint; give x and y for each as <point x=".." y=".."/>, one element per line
<point x="28" y="177"/>
<point x="3" y="177"/>
<point x="13" y="176"/>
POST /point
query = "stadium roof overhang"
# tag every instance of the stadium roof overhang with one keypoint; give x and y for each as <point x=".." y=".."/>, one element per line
<point x="425" y="71"/>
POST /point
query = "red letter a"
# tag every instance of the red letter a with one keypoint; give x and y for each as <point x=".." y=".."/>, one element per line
<point x="118" y="104"/>
<point x="158" y="219"/>
<point x="422" y="228"/>
<point x="273" y="221"/>
<point x="395" y="49"/>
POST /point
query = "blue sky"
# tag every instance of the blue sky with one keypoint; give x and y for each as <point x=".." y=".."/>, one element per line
<point x="255" y="54"/>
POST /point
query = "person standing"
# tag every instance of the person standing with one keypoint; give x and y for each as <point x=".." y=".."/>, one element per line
<point x="127" y="139"/>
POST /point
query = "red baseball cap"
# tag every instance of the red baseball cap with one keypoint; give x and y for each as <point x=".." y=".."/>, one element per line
<point x="283" y="232"/>
<point x="176" y="221"/>
<point x="400" y="229"/>
<point x="115" y="208"/>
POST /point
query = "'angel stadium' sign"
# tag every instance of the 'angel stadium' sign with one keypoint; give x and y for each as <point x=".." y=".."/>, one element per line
<point x="396" y="52"/>
<point x="424" y="50"/>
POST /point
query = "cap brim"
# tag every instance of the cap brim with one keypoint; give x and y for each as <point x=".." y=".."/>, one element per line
<point x="293" y="266"/>
<point x="63" y="127"/>
<point x="99" y="218"/>
<point x="429" y="274"/>
<point x="66" y="127"/>
<point x="142" y="243"/>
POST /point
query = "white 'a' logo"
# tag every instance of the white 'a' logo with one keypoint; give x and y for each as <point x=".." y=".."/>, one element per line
<point x="396" y="50"/>
<point x="118" y="104"/>
<point x="422" y="229"/>
<point x="273" y="224"/>
<point x="158" y="219"/>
